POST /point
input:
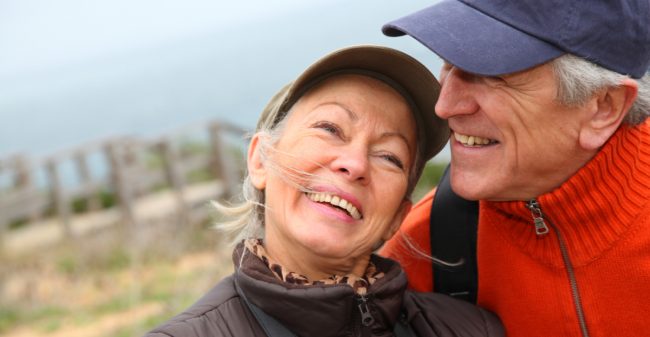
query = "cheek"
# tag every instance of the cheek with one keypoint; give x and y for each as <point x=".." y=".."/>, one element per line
<point x="296" y="166"/>
<point x="388" y="199"/>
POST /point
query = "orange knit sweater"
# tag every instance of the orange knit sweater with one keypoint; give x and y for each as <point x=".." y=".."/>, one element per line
<point x="603" y="213"/>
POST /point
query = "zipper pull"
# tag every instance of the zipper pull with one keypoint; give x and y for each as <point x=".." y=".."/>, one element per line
<point x="538" y="217"/>
<point x="366" y="317"/>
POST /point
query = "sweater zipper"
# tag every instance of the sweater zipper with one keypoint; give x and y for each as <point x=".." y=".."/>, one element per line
<point x="542" y="229"/>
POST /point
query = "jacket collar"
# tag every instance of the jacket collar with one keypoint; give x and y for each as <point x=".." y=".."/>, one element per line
<point x="320" y="310"/>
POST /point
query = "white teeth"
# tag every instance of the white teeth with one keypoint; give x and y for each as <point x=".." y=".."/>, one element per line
<point x="336" y="201"/>
<point x="472" y="140"/>
<point x="343" y="203"/>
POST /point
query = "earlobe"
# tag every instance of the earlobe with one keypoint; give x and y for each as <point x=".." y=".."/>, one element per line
<point x="255" y="163"/>
<point x="404" y="209"/>
<point x="612" y="105"/>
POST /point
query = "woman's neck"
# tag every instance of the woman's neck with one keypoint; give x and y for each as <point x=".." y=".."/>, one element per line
<point x="298" y="259"/>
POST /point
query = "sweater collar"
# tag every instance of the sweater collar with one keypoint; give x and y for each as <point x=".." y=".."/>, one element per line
<point x="595" y="206"/>
<point x="322" y="309"/>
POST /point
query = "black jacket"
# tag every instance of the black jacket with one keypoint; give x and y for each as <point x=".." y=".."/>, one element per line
<point x="327" y="310"/>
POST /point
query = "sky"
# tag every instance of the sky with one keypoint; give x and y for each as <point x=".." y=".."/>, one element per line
<point x="41" y="34"/>
<point x="73" y="71"/>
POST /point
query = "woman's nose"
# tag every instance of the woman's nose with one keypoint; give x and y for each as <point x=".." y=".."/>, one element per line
<point x="457" y="95"/>
<point x="352" y="164"/>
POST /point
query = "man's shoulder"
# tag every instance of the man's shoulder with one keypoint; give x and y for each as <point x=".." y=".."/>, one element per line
<point x="411" y="247"/>
<point x="421" y="211"/>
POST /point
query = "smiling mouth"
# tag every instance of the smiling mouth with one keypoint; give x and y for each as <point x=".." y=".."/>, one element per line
<point x="473" y="141"/>
<point x="336" y="201"/>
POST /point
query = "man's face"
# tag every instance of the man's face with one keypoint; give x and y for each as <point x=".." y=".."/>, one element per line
<point x="511" y="140"/>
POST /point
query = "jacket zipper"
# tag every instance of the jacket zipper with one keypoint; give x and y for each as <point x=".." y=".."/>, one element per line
<point x="542" y="229"/>
<point x="366" y="317"/>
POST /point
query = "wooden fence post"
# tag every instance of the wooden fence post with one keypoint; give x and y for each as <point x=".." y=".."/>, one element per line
<point x="221" y="166"/>
<point x="22" y="172"/>
<point x="120" y="183"/>
<point x="86" y="179"/>
<point x="61" y="202"/>
<point x="174" y="174"/>
<point x="24" y="180"/>
<point x="5" y="221"/>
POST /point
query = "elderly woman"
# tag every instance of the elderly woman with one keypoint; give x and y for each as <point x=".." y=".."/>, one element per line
<point x="336" y="155"/>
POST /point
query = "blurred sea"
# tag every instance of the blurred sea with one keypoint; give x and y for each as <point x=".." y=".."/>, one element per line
<point x="227" y="72"/>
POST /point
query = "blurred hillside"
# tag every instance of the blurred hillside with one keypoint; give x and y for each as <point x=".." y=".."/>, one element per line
<point x="109" y="284"/>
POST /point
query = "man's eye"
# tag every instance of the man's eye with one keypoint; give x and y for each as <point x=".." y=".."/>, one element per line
<point x="495" y="80"/>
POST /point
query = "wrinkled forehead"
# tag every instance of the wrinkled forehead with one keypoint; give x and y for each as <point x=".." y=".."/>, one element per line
<point x="341" y="78"/>
<point x="349" y="83"/>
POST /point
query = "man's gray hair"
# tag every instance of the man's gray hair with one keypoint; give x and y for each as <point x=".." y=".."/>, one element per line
<point x="579" y="79"/>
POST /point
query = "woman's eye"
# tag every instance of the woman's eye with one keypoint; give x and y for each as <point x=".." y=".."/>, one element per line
<point x="329" y="127"/>
<point x="394" y="160"/>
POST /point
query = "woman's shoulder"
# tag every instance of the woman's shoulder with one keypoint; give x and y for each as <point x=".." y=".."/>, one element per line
<point x="219" y="312"/>
<point x="433" y="314"/>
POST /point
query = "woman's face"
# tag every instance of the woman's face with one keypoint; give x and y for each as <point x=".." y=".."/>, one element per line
<point x="351" y="140"/>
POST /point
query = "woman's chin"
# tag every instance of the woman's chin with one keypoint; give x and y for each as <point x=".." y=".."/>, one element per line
<point x="332" y="249"/>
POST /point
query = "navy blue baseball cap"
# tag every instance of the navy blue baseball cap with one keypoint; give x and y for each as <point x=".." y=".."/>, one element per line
<point x="495" y="37"/>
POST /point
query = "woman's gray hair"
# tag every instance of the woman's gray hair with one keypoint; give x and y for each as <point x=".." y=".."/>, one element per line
<point x="579" y="79"/>
<point x="247" y="217"/>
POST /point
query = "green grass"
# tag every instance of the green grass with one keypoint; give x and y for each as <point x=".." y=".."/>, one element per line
<point x="82" y="205"/>
<point x="46" y="318"/>
<point x="136" y="330"/>
<point x="430" y="176"/>
<point x="118" y="303"/>
<point x="117" y="259"/>
<point x="8" y="318"/>
<point x="15" y="224"/>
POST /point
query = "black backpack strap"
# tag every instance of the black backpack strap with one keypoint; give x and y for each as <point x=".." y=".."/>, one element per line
<point x="453" y="225"/>
<point x="270" y="325"/>
<point x="403" y="329"/>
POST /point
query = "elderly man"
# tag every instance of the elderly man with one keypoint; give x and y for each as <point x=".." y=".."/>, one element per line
<point x="548" y="104"/>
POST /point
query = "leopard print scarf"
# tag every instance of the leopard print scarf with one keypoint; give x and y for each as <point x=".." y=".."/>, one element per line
<point x="359" y="284"/>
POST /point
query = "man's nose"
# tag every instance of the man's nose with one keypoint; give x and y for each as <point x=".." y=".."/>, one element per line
<point x="457" y="95"/>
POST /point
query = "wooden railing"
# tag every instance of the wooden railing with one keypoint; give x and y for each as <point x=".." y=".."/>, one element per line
<point x="116" y="173"/>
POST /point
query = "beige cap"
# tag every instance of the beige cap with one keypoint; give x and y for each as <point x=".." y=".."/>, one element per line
<point x="399" y="70"/>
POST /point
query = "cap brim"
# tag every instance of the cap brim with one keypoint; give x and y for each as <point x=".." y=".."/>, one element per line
<point x="471" y="40"/>
<point x="410" y="74"/>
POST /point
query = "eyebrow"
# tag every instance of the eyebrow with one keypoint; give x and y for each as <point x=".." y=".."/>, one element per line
<point x="353" y="116"/>
<point x="399" y="135"/>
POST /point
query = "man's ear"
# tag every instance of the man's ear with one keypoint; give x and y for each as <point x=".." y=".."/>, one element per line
<point x="403" y="210"/>
<point x="612" y="105"/>
<point x="255" y="163"/>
